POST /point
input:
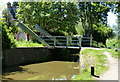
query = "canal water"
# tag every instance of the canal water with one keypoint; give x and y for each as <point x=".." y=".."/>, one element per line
<point x="52" y="70"/>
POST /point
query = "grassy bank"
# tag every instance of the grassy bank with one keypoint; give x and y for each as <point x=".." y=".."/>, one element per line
<point x="113" y="43"/>
<point x="112" y="52"/>
<point x="94" y="58"/>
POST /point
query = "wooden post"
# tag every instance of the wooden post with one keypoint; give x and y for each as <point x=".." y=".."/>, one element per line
<point x="54" y="40"/>
<point x="92" y="71"/>
<point x="67" y="42"/>
<point x="90" y="40"/>
<point x="80" y="40"/>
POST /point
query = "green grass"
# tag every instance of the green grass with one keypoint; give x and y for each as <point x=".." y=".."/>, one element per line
<point x="94" y="58"/>
<point x="112" y="52"/>
<point x="27" y="44"/>
<point x="112" y="42"/>
<point x="84" y="76"/>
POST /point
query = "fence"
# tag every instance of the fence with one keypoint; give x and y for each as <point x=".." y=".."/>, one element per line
<point x="63" y="41"/>
<point x="86" y="41"/>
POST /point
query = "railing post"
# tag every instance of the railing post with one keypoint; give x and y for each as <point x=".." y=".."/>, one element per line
<point x="54" y="38"/>
<point x="90" y="40"/>
<point x="80" y="40"/>
<point x="67" y="42"/>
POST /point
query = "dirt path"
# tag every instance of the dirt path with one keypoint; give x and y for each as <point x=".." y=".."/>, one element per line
<point x="112" y="73"/>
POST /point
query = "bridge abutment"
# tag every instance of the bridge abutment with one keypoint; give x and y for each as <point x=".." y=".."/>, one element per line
<point x="21" y="56"/>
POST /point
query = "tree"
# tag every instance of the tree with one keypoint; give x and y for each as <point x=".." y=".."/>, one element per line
<point x="115" y="6"/>
<point x="80" y="30"/>
<point x="101" y="33"/>
<point x="93" y="13"/>
<point x="58" y="18"/>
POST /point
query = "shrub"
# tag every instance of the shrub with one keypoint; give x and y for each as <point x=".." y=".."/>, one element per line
<point x="97" y="44"/>
<point x="7" y="38"/>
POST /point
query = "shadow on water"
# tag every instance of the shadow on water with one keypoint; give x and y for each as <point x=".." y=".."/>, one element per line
<point x="8" y="69"/>
<point x="71" y="55"/>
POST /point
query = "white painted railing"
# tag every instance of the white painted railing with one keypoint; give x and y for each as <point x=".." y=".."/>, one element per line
<point x="63" y="41"/>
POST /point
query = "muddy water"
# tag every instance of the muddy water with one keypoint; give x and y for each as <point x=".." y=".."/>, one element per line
<point x="53" y="70"/>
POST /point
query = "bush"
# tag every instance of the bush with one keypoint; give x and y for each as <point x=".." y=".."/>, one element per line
<point x="101" y="33"/>
<point x="94" y="44"/>
<point x="97" y="44"/>
<point x="112" y="42"/>
<point x="7" y="38"/>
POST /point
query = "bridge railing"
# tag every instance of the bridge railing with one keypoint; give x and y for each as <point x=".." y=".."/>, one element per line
<point x="86" y="41"/>
<point x="63" y="41"/>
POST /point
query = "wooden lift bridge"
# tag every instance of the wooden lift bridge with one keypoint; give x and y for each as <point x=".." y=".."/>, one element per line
<point x="55" y="41"/>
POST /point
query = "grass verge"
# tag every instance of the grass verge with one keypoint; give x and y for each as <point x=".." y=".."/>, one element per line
<point x="113" y="43"/>
<point x="112" y="52"/>
<point x="94" y="58"/>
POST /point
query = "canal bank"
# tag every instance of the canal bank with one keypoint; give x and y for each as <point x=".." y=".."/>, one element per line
<point x="21" y="56"/>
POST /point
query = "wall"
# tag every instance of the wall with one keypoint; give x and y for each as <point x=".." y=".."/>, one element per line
<point x="19" y="56"/>
<point x="15" y="56"/>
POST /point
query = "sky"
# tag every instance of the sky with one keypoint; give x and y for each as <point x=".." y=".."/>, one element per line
<point x="112" y="18"/>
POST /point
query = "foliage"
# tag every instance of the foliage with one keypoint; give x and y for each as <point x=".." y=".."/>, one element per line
<point x="112" y="42"/>
<point x="7" y="38"/>
<point x="92" y="13"/>
<point x="115" y="8"/>
<point x="27" y="44"/>
<point x="94" y="43"/>
<point x="66" y="18"/>
<point x="94" y="58"/>
<point x="98" y="44"/>
<point x="101" y="33"/>
<point x="55" y="17"/>
<point x="80" y="30"/>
